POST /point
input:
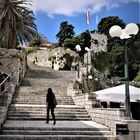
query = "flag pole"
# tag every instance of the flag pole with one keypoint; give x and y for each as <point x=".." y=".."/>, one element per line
<point x="97" y="20"/>
<point x="88" y="20"/>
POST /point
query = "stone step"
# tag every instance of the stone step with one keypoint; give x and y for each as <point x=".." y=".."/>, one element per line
<point x="57" y="137"/>
<point x="44" y="106"/>
<point x="63" y="130"/>
<point x="42" y="103"/>
<point x="36" y="88"/>
<point x="40" y="97"/>
<point x="40" y="100"/>
<point x="53" y="75"/>
<point x="62" y="118"/>
<point x="54" y="132"/>
<point x="41" y="94"/>
<point x="60" y="125"/>
<point x="47" y="82"/>
<point x="44" y="112"/>
<point x="26" y="114"/>
<point x="46" y="86"/>
<point x="59" y="93"/>
<point x="37" y="98"/>
<point x="36" y="108"/>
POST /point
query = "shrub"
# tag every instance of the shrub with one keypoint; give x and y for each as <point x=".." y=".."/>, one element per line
<point x="137" y="78"/>
<point x="32" y="49"/>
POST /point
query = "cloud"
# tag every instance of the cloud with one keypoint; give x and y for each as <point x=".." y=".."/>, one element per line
<point x="74" y="7"/>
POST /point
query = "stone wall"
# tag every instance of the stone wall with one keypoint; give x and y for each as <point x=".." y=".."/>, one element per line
<point x="53" y="58"/>
<point x="98" y="42"/>
<point x="11" y="61"/>
<point x="112" y="116"/>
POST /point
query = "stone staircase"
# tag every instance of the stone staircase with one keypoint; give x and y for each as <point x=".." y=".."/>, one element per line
<point x="38" y="112"/>
<point x="27" y="113"/>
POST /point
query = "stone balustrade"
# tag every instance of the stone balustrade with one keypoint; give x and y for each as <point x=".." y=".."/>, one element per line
<point x="112" y="116"/>
<point x="87" y="100"/>
<point x="108" y="116"/>
<point x="3" y="114"/>
<point x="5" y="101"/>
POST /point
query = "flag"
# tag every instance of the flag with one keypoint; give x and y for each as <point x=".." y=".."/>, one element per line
<point x="88" y="17"/>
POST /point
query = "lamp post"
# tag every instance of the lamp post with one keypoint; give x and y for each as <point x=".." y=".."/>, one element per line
<point x="87" y="49"/>
<point x="117" y="31"/>
<point x="89" y="78"/>
<point x="78" y="49"/>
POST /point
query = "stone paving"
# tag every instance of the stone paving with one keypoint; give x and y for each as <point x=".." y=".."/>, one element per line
<point x="59" y="124"/>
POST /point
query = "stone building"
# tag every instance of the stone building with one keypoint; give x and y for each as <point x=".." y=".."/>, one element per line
<point x="98" y="44"/>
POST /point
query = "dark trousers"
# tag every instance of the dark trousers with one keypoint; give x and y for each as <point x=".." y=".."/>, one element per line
<point x="52" y="113"/>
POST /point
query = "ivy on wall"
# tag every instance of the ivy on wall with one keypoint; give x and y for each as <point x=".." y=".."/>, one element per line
<point x="100" y="61"/>
<point x="69" y="60"/>
<point x="65" y="61"/>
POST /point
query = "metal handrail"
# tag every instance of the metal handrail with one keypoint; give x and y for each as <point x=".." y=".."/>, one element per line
<point x="3" y="82"/>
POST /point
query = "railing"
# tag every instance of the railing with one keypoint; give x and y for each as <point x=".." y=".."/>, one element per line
<point x="4" y="85"/>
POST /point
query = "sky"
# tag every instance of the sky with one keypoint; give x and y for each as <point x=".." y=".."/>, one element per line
<point x="50" y="13"/>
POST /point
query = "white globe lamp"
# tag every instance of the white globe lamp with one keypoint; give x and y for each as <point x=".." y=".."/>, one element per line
<point x="115" y="31"/>
<point x="131" y="29"/>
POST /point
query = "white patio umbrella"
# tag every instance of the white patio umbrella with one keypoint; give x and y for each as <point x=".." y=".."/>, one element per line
<point x="117" y="94"/>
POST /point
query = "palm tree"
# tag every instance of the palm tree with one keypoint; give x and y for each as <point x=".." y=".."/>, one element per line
<point x="26" y="28"/>
<point x="16" y="22"/>
<point x="38" y="40"/>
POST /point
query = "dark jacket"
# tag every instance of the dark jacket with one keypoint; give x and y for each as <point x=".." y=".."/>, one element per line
<point x="50" y="99"/>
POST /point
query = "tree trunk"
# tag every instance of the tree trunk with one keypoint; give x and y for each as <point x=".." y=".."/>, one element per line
<point x="14" y="39"/>
<point x="5" y="31"/>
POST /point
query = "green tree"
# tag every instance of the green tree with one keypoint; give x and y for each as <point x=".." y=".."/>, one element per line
<point x="83" y="40"/>
<point x="38" y="40"/>
<point x="16" y="22"/>
<point x="106" y="23"/>
<point x="26" y="28"/>
<point x="71" y="43"/>
<point x="116" y="60"/>
<point x="85" y="36"/>
<point x="115" y="46"/>
<point x="115" y="49"/>
<point x="133" y="55"/>
<point x="66" y="31"/>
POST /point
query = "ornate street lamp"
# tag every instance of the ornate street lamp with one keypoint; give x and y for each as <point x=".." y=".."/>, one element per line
<point x="78" y="49"/>
<point x="117" y="31"/>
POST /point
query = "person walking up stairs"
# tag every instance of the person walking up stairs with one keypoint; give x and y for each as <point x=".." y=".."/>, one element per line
<point x="51" y="104"/>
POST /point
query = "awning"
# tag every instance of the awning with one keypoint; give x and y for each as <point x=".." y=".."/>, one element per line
<point x="117" y="94"/>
